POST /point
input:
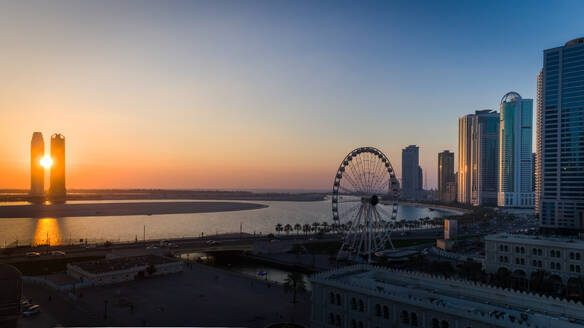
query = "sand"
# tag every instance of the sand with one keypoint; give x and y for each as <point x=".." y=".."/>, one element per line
<point x="118" y="209"/>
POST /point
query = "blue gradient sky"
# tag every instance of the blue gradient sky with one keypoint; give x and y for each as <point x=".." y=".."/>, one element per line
<point x="258" y="94"/>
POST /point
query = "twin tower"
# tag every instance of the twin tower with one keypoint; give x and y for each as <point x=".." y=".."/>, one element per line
<point x="57" y="191"/>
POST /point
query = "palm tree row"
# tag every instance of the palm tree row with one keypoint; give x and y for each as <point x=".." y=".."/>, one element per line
<point x="325" y="227"/>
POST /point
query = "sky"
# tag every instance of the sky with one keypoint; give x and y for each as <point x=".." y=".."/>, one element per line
<point x="257" y="94"/>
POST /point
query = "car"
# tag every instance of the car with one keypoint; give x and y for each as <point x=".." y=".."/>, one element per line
<point x="152" y="247"/>
<point x="274" y="240"/>
<point x="32" y="310"/>
<point x="212" y="242"/>
<point x="33" y="254"/>
<point x="24" y="304"/>
<point x="58" y="253"/>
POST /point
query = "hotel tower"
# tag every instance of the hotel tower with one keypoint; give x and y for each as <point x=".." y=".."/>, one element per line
<point x="37" y="171"/>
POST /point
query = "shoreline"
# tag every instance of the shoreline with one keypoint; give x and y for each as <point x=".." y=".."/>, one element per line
<point x="122" y="209"/>
<point x="459" y="211"/>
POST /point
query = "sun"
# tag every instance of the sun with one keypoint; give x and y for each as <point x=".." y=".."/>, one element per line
<point x="46" y="162"/>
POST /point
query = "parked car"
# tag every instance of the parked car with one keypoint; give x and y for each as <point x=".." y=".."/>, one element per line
<point x="152" y="247"/>
<point x="212" y="242"/>
<point x="58" y="253"/>
<point x="32" y="310"/>
<point x="33" y="254"/>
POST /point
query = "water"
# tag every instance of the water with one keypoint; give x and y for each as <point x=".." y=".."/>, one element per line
<point x="249" y="268"/>
<point x="70" y="230"/>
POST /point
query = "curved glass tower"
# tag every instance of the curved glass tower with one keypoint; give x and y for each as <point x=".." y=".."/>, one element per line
<point x="57" y="191"/>
<point x="515" y="156"/>
<point x="37" y="171"/>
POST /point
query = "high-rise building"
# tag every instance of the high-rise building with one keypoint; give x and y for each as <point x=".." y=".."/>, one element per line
<point x="464" y="158"/>
<point x="478" y="160"/>
<point x="446" y="176"/>
<point x="37" y="171"/>
<point x="57" y="191"/>
<point x="515" y="155"/>
<point x="411" y="173"/>
<point x="537" y="173"/>
<point x="562" y="136"/>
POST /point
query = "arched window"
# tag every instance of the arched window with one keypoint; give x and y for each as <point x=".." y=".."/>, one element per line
<point x="414" y="320"/>
<point x="378" y="310"/>
<point x="404" y="317"/>
<point x="385" y="312"/>
<point x="435" y="323"/>
<point x="338" y="299"/>
<point x="361" y="306"/>
<point x="444" y="324"/>
<point x="353" y="303"/>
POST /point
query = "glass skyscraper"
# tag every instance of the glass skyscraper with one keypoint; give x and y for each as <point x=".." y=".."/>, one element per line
<point x="478" y="160"/>
<point x="515" y="156"/>
<point x="562" y="137"/>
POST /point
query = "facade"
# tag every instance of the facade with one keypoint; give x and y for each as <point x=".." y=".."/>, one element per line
<point x="478" y="163"/>
<point x="11" y="287"/>
<point x="57" y="191"/>
<point x="537" y="173"/>
<point x="412" y="180"/>
<point x="515" y="155"/>
<point x="562" y="153"/>
<point x="37" y="171"/>
<point x="523" y="255"/>
<point x="446" y="177"/>
<point x="112" y="271"/>
<point x="363" y="296"/>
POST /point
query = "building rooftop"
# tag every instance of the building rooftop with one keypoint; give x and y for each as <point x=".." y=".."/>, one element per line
<point x="538" y="240"/>
<point x="475" y="301"/>
<point x="118" y="264"/>
<point x="575" y="41"/>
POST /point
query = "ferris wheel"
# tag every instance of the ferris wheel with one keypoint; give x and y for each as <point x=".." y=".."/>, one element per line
<point x="365" y="202"/>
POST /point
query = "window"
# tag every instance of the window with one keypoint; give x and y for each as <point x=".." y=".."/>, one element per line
<point x="435" y="323"/>
<point x="377" y="310"/>
<point x="338" y="321"/>
<point x="534" y="251"/>
<point x="414" y="320"/>
<point x="360" y="324"/>
<point x="571" y="255"/>
<point x="332" y="298"/>
<point x="571" y="267"/>
<point x="361" y="306"/>
<point x="444" y="324"/>
<point x="331" y="318"/>
<point x="553" y="253"/>
<point x="522" y="250"/>
<point x="558" y="266"/>
<point x="577" y="268"/>
<point x="577" y="256"/>
<point x="539" y="252"/>
<point x="353" y="323"/>
<point x="404" y="317"/>
<point x="353" y="303"/>
<point x="338" y="299"/>
<point x="385" y="312"/>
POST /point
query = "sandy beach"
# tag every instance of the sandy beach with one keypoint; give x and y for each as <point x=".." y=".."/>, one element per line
<point x="117" y="209"/>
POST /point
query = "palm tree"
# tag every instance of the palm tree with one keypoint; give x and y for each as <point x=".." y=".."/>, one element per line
<point x="295" y="283"/>
<point x="279" y="228"/>
<point x="287" y="228"/>
<point x="297" y="228"/>
<point x="315" y="226"/>
<point x="306" y="228"/>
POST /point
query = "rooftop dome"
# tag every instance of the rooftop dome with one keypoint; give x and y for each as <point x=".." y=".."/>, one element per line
<point x="510" y="97"/>
<point x="575" y="41"/>
<point x="8" y="272"/>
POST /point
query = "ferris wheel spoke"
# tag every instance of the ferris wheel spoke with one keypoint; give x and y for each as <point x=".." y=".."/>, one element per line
<point x="351" y="180"/>
<point x="355" y="175"/>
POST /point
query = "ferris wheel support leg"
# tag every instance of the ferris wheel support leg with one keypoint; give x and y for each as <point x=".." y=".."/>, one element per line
<point x="370" y="218"/>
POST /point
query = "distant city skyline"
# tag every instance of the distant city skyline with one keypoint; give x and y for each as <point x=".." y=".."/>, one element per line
<point x="266" y="96"/>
